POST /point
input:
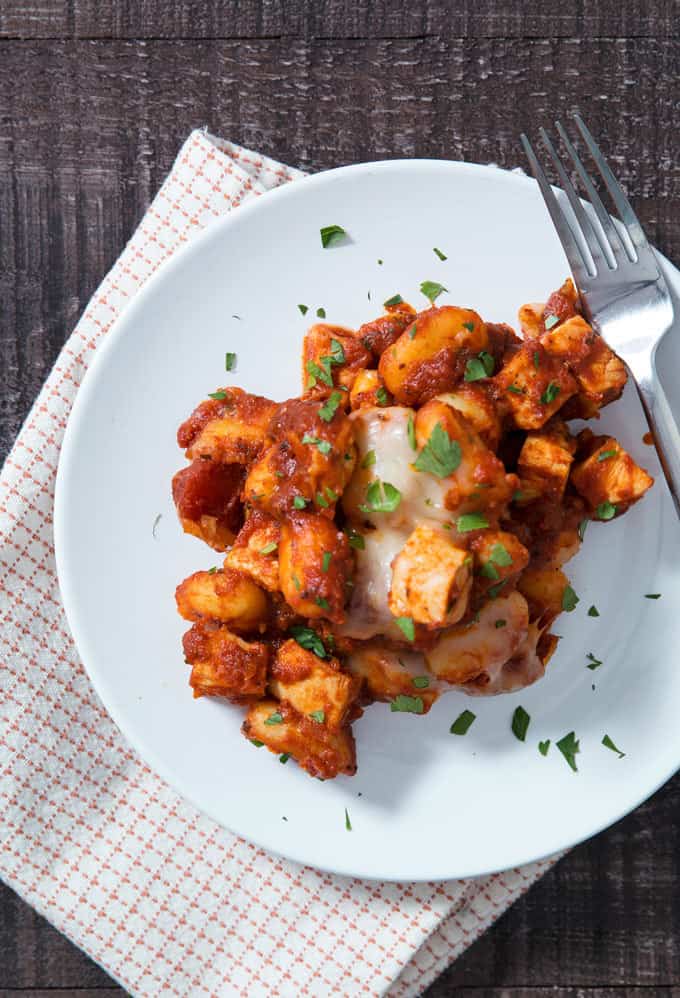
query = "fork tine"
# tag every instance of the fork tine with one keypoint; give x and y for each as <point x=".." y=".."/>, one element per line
<point x="578" y="263"/>
<point x="608" y="227"/>
<point x="628" y="216"/>
<point x="594" y="244"/>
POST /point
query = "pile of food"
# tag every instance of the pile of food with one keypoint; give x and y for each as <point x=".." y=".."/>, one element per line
<point x="400" y="528"/>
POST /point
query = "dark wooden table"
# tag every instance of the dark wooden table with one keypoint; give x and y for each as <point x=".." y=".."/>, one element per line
<point x="95" y="100"/>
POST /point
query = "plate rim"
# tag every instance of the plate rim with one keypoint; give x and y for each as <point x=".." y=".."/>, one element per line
<point x="148" y="755"/>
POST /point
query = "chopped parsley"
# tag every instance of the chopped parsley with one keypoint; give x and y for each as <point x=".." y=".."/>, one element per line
<point x="607" y="453"/>
<point x="382" y="397"/>
<point x="319" y="372"/>
<point x="441" y="455"/>
<point x="550" y="394"/>
<point x="326" y="561"/>
<point x="331" y="234"/>
<point x="471" y="521"/>
<point x="256" y="742"/>
<point x="407" y="705"/>
<point x="356" y="540"/>
<point x="582" y="527"/>
<point x="569" y="599"/>
<point x="369" y="460"/>
<point x="606" y="510"/>
<point x="652" y="595"/>
<point x="520" y="723"/>
<point x="537" y="363"/>
<point x="544" y="746"/>
<point x="269" y="548"/>
<point x="308" y="639"/>
<point x="470" y="326"/>
<point x="407" y="627"/>
<point x="494" y="591"/>
<point x="569" y="747"/>
<point x="229" y="361"/>
<point x="218" y="396"/>
<point x="593" y="611"/>
<point x="297" y="583"/>
<point x="516" y="390"/>
<point x="411" y="432"/>
<point x="462" y="724"/>
<point x="299" y="502"/>
<point x="489" y="571"/>
<point x="500" y="623"/>
<point x="500" y="555"/>
<point x="303" y="309"/>
<point x="323" y="446"/>
<point x="318" y="715"/>
<point x="412" y="332"/>
<point x="608" y="743"/>
<point x="394" y="300"/>
<point x="322" y="602"/>
<point x="381" y="497"/>
<point x="432" y="289"/>
<point x="211" y="571"/>
<point x="284" y="757"/>
<point x="551" y="321"/>
<point x="481" y="366"/>
<point x="337" y="355"/>
<point x="442" y="256"/>
<point x="275" y="718"/>
<point x="421" y="682"/>
<point x="330" y="406"/>
<point x="348" y="823"/>
<point x="593" y="663"/>
<point x="321" y="501"/>
<point x="321" y="313"/>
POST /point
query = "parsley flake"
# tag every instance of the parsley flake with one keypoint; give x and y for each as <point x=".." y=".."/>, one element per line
<point x="421" y="682"/>
<point x="593" y="663"/>
<point x="551" y="321"/>
<point x="569" y="747"/>
<point x="299" y="502"/>
<point x="462" y="724"/>
<point x="356" y="540"/>
<point x="319" y="372"/>
<point x="323" y="446"/>
<point x="322" y="602"/>
<point x="308" y="639"/>
<point x="442" y="256"/>
<point x="318" y="715"/>
<point x="284" y="757"/>
<point x="537" y="362"/>
<point x="211" y="571"/>
<point x="612" y="452"/>
<point x="412" y="332"/>
<point x="500" y="555"/>
<point x="275" y="718"/>
<point x="608" y="743"/>
<point x="407" y="705"/>
<point x="432" y="289"/>
<point x="582" y="527"/>
<point x="348" y="823"/>
<point x="652" y="595"/>
<point x="441" y="455"/>
<point x="321" y="313"/>
<point x="218" y="396"/>
<point x="500" y="623"/>
<point x="550" y="394"/>
<point x="544" y="746"/>
<point x="326" y="561"/>
<point x="303" y="309"/>
<point x="606" y="510"/>
<point x="407" y="627"/>
<point x="481" y="366"/>
<point x="471" y="521"/>
<point x="520" y="723"/>
<point x="593" y="611"/>
<point x="269" y="548"/>
<point x="330" y="407"/>
<point x="331" y="234"/>
<point x="229" y="361"/>
<point x="569" y="599"/>
<point x="369" y="460"/>
<point x="394" y="300"/>
<point x="381" y="497"/>
<point x="411" y="431"/>
<point x="256" y="742"/>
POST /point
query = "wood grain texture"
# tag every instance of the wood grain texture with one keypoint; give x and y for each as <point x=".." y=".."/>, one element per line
<point x="95" y="100"/>
<point x="341" y="19"/>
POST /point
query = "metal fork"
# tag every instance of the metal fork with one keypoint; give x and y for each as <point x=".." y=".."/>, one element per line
<point x="621" y="285"/>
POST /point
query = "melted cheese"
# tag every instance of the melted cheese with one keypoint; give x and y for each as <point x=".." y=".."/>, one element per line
<point x="368" y="612"/>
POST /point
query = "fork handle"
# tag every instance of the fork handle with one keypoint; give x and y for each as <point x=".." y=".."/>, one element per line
<point x="664" y="430"/>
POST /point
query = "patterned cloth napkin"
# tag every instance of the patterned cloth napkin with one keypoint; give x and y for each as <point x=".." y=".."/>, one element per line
<point x="165" y="900"/>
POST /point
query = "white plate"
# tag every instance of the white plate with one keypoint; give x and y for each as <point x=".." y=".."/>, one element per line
<point x="425" y="805"/>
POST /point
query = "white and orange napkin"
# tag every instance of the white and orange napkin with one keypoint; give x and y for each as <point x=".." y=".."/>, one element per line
<point x="165" y="900"/>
